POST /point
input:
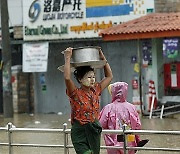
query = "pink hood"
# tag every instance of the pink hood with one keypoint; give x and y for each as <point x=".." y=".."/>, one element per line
<point x="119" y="91"/>
<point x="119" y="112"/>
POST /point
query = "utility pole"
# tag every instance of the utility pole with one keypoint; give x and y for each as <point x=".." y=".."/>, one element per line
<point x="6" y="57"/>
<point x="1" y="90"/>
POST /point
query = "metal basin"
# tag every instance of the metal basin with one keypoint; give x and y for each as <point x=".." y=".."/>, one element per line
<point x="85" y="54"/>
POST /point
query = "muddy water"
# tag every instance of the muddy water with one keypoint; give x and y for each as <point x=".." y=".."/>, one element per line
<point x="56" y="121"/>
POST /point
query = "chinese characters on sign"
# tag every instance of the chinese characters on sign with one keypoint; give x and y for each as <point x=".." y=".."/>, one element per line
<point x="55" y="10"/>
<point x="57" y="5"/>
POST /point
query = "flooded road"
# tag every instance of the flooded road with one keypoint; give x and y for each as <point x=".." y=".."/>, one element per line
<point x="56" y="121"/>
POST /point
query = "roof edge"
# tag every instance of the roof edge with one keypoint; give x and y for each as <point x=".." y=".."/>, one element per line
<point x="134" y="36"/>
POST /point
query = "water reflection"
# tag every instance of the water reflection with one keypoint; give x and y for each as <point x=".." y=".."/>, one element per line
<point x="56" y="121"/>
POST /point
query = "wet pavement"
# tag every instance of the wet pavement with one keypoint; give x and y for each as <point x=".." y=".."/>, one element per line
<point x="56" y="121"/>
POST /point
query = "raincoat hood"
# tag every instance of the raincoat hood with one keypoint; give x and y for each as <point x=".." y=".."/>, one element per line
<point x="118" y="113"/>
<point x="119" y="91"/>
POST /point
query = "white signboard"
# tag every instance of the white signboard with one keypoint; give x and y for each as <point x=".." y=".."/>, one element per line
<point x="65" y="19"/>
<point x="35" y="57"/>
<point x="173" y="80"/>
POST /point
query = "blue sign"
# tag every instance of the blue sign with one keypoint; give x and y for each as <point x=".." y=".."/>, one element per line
<point x="170" y="47"/>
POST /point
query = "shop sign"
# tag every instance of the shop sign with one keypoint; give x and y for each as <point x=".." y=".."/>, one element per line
<point x="65" y="19"/>
<point x="170" y="47"/>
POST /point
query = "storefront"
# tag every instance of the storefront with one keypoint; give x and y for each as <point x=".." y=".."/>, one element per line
<point x="158" y="47"/>
<point x="76" y="24"/>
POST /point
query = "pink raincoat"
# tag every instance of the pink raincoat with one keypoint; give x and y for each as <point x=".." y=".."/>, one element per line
<point x="117" y="113"/>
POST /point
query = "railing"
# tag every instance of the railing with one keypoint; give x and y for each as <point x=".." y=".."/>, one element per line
<point x="11" y="128"/>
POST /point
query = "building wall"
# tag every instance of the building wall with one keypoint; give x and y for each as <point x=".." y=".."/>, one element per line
<point x="15" y="12"/>
<point x="167" y="6"/>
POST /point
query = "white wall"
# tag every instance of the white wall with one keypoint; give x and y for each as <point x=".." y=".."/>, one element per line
<point x="15" y="12"/>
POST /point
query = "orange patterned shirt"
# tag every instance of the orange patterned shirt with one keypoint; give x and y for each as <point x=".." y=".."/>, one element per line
<point x="85" y="104"/>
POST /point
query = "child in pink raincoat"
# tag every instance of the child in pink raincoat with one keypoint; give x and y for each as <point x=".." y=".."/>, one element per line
<point x="117" y="113"/>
